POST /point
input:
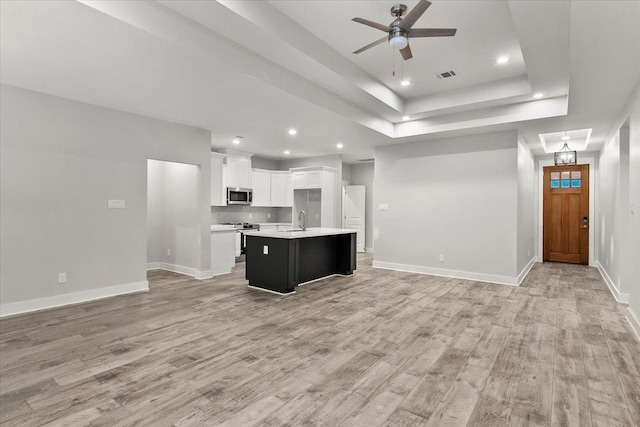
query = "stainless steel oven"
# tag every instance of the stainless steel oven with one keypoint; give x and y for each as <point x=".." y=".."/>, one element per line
<point x="243" y="237"/>
<point x="239" y="196"/>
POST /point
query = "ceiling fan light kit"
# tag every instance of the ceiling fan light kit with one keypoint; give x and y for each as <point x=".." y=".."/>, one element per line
<point x="400" y="30"/>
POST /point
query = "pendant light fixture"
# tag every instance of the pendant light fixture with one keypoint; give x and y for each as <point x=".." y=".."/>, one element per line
<point x="565" y="156"/>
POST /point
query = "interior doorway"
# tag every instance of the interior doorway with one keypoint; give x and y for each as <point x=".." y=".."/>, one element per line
<point x="354" y="212"/>
<point x="566" y="219"/>
<point x="173" y="226"/>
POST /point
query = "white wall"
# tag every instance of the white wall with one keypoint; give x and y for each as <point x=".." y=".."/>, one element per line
<point x="262" y="163"/>
<point x="628" y="131"/>
<point x="609" y="208"/>
<point x="618" y="200"/>
<point x="362" y="174"/>
<point x="154" y="211"/>
<point x="456" y="197"/>
<point x="634" y="200"/>
<point x="172" y="216"/>
<point x="61" y="160"/>
<point x="527" y="180"/>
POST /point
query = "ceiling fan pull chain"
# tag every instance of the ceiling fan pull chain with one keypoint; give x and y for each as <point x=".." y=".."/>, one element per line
<point x="393" y="60"/>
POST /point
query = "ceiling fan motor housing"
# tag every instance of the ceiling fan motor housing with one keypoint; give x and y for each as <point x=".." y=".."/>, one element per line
<point x="396" y="32"/>
<point x="398" y="10"/>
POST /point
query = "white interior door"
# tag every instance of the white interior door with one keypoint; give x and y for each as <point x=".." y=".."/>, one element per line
<point x="354" y="205"/>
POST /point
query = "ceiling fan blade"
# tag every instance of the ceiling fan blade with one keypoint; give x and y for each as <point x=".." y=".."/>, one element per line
<point x="432" y="32"/>
<point x="380" y="27"/>
<point x="414" y="14"/>
<point x="406" y="53"/>
<point x="370" y="45"/>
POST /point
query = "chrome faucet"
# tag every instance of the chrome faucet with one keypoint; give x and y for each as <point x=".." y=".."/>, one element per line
<point x="302" y="220"/>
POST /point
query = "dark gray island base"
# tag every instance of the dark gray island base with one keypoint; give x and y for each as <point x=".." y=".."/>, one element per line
<point x="279" y="261"/>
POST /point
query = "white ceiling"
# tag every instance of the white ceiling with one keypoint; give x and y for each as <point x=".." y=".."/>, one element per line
<point x="258" y="68"/>
<point x="472" y="53"/>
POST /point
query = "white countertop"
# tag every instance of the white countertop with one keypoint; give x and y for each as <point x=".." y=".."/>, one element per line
<point x="273" y="223"/>
<point x="310" y="232"/>
<point x="216" y="228"/>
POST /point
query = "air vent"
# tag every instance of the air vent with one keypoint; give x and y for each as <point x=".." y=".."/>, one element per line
<point x="446" y="74"/>
<point x="366" y="160"/>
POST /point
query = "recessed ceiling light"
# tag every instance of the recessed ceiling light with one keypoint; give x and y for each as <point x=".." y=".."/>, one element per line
<point x="502" y="60"/>
<point x="292" y="131"/>
<point x="339" y="145"/>
<point x="236" y="140"/>
<point x="405" y="82"/>
<point x="538" y="95"/>
<point x="405" y="118"/>
<point x="566" y="138"/>
<point x="286" y="152"/>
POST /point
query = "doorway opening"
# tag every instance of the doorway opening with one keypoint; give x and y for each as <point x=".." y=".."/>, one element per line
<point x="173" y="227"/>
<point x="566" y="220"/>
<point x="354" y="204"/>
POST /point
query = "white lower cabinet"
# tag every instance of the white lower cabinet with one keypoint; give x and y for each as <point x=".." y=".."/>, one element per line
<point x="223" y="251"/>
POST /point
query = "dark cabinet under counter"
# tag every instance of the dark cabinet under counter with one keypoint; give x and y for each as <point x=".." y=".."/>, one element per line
<point x="279" y="261"/>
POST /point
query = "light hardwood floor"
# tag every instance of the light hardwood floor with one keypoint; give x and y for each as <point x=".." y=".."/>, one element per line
<point x="379" y="348"/>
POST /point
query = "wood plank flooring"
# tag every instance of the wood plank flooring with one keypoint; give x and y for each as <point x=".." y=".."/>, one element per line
<point x="380" y="348"/>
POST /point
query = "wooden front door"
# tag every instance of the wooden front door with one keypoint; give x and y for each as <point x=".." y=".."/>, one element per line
<point x="566" y="214"/>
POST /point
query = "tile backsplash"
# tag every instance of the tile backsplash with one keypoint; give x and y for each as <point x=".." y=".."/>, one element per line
<point x="222" y="214"/>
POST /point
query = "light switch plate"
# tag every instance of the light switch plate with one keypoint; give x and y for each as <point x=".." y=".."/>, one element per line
<point x="265" y="250"/>
<point x="116" y="204"/>
<point x="383" y="207"/>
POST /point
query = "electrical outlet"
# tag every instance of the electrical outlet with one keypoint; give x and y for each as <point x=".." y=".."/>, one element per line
<point x="268" y="215"/>
<point x="62" y="277"/>
<point x="169" y="252"/>
<point x="441" y="258"/>
<point x="265" y="250"/>
<point x="250" y="216"/>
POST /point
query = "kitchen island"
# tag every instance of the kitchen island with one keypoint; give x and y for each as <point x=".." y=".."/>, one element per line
<point x="278" y="261"/>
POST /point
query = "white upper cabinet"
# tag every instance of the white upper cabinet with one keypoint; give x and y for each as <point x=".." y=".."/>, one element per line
<point x="261" y="180"/>
<point x="315" y="192"/>
<point x="307" y="179"/>
<point x="281" y="189"/>
<point x="238" y="172"/>
<point x="218" y="180"/>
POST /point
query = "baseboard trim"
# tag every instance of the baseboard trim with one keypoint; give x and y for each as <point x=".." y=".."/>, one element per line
<point x="46" y="303"/>
<point x="479" y="277"/>
<point x="270" y="291"/>
<point x="153" y="266"/>
<point x="173" y="267"/>
<point x="204" y="275"/>
<point x="633" y="322"/>
<point x="619" y="296"/>
<point x="526" y="270"/>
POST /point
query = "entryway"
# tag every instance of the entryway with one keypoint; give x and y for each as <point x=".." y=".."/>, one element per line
<point x="566" y="214"/>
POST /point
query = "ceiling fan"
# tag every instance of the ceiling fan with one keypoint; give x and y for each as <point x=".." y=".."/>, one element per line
<point x="399" y="31"/>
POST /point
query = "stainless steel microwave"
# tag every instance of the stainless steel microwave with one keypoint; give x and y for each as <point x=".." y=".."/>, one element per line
<point x="239" y="196"/>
